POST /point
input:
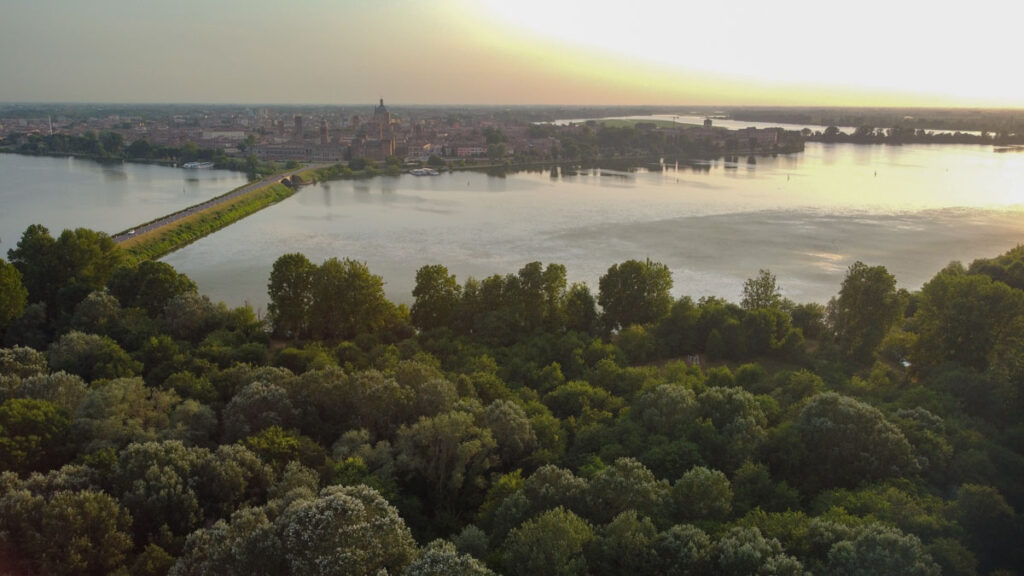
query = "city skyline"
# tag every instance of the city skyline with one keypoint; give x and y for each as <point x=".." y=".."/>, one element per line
<point x="789" y="53"/>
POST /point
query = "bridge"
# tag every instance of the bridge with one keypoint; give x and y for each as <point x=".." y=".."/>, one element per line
<point x="203" y="206"/>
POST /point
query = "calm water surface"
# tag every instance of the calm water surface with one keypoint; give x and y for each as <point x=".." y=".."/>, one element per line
<point x="71" y="193"/>
<point x="807" y="217"/>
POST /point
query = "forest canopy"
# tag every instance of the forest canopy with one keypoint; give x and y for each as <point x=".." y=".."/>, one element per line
<point x="513" y="424"/>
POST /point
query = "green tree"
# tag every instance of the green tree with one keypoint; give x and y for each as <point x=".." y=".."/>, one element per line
<point x="248" y="544"/>
<point x="512" y="431"/>
<point x="436" y="296"/>
<point x="550" y="544"/>
<point x="33" y="435"/>
<point x="607" y="494"/>
<point x="346" y="530"/>
<point x="440" y="558"/>
<point x="290" y="290"/>
<point x="702" y="494"/>
<point x="257" y="406"/>
<point x="879" y="550"/>
<point x="635" y="292"/>
<point x="122" y="411"/>
<point x="743" y="551"/>
<point x="581" y="309"/>
<point x="87" y="533"/>
<point x="867" y="307"/>
<point x="157" y="482"/>
<point x="150" y="286"/>
<point x="13" y="295"/>
<point x="969" y="319"/>
<point x="449" y="453"/>
<point x="847" y="442"/>
<point x="35" y="257"/>
<point x="761" y="293"/>
<point x="623" y="546"/>
<point x="667" y="409"/>
<point x="682" y="550"/>
<point x="347" y="300"/>
<point x="92" y="357"/>
<point x="22" y="362"/>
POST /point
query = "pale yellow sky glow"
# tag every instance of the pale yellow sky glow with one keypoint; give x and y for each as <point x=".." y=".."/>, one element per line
<point x="786" y="52"/>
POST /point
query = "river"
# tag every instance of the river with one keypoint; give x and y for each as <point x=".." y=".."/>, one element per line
<point x="65" y="193"/>
<point x="806" y="217"/>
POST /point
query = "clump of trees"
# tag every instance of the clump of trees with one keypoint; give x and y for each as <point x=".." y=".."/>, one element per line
<point x="509" y="425"/>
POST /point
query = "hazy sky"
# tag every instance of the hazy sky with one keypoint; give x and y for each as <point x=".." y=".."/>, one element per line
<point x="779" y="52"/>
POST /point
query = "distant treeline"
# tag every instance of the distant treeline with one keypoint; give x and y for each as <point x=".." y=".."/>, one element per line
<point x="898" y="135"/>
<point x="995" y="121"/>
<point x="107" y="145"/>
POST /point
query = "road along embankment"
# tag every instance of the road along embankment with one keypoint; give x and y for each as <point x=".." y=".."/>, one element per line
<point x="154" y="239"/>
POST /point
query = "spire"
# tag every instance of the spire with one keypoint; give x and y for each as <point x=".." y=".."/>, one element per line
<point x="382" y="102"/>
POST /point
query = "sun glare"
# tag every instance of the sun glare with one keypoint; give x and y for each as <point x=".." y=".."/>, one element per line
<point x="879" y="54"/>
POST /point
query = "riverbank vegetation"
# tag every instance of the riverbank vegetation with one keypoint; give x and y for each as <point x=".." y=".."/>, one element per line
<point x="107" y="146"/>
<point x="514" y="424"/>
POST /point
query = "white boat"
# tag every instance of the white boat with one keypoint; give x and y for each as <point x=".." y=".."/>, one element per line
<point x="194" y="165"/>
<point x="423" y="172"/>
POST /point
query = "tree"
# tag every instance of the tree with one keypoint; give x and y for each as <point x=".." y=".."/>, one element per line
<point x="63" y="532"/>
<point x="742" y="551"/>
<point x="22" y="362"/>
<point x="85" y="532"/>
<point x="761" y="293"/>
<point x="512" y="431"/>
<point x="92" y="357"/>
<point x="737" y="426"/>
<point x="34" y="257"/>
<point x="157" y="482"/>
<point x="33" y="435"/>
<point x="150" y="286"/>
<point x="581" y="309"/>
<point x="608" y="495"/>
<point x="682" y="550"/>
<point x="879" y="550"/>
<point x="191" y="316"/>
<point x="868" y="305"/>
<point x="259" y="405"/>
<point x="665" y="410"/>
<point x="84" y="261"/>
<point x="347" y="300"/>
<point x="123" y="411"/>
<point x="440" y="558"/>
<point x="346" y="530"/>
<point x="13" y="296"/>
<point x="635" y="292"/>
<point x="436" y="297"/>
<point x="967" y="318"/>
<point x="449" y="453"/>
<point x="551" y="544"/>
<point x="290" y="290"/>
<point x="702" y="494"/>
<point x="623" y="546"/>
<point x="847" y="442"/>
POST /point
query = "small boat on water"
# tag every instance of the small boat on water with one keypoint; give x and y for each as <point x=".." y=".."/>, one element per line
<point x="423" y="172"/>
<point x="196" y="165"/>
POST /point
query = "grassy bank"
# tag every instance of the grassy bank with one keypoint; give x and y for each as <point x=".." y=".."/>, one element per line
<point x="166" y="239"/>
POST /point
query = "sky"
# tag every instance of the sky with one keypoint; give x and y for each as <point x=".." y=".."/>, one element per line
<point x="516" y="52"/>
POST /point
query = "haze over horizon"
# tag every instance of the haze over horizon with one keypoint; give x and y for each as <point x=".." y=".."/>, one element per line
<point x="787" y="53"/>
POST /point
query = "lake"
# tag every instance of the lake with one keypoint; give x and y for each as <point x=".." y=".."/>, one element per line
<point x="74" y="193"/>
<point x="805" y="216"/>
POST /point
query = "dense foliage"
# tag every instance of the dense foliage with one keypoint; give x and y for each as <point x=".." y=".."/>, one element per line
<point x="514" y="424"/>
